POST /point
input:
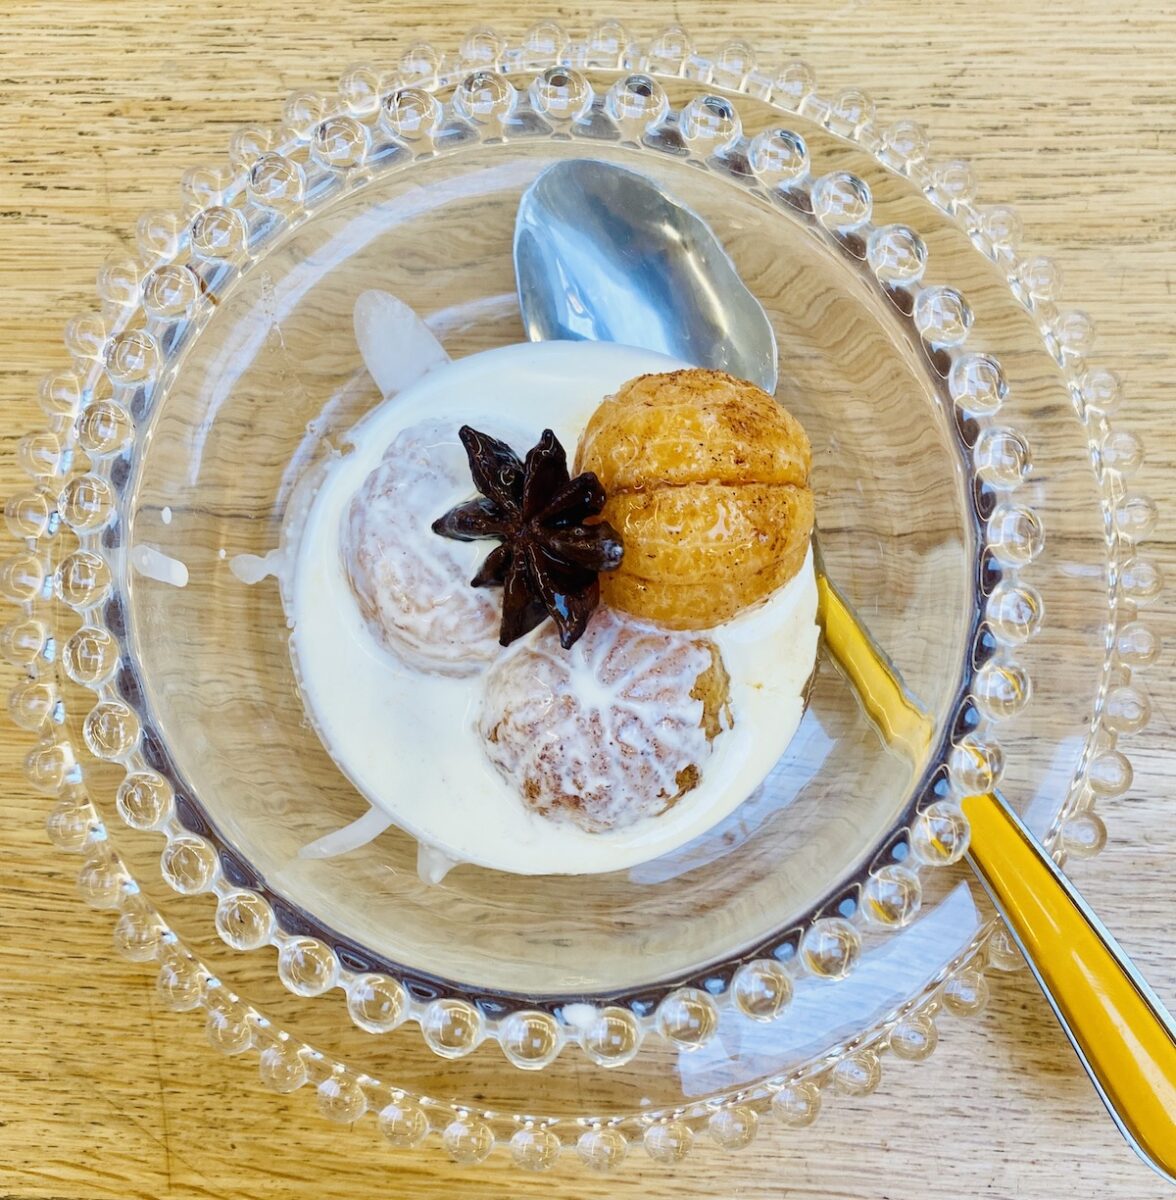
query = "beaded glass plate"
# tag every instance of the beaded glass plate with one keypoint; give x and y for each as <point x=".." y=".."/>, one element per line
<point x="783" y="952"/>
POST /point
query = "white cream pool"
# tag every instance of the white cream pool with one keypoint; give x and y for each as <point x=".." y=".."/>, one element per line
<point x="408" y="741"/>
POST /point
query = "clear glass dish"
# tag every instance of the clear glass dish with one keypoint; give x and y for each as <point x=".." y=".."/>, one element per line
<point x="782" y="952"/>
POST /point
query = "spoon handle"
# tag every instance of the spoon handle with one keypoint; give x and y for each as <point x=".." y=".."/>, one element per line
<point x="1120" y="1030"/>
<point x="895" y="713"/>
<point x="1124" y="1037"/>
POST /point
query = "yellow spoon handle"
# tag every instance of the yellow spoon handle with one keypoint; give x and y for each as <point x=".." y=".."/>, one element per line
<point x="1120" y="1030"/>
<point x="1122" y="1033"/>
<point x="895" y="714"/>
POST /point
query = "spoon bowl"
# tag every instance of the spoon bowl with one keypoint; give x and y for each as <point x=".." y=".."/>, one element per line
<point x="603" y="254"/>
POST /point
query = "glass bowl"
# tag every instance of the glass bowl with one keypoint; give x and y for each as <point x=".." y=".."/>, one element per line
<point x="828" y="919"/>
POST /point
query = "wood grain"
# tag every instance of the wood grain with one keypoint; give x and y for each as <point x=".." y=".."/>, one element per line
<point x="1064" y="107"/>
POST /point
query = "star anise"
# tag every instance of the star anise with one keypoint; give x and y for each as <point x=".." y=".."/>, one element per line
<point x="551" y="551"/>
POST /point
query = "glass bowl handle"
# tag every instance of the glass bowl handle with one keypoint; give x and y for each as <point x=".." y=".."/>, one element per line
<point x="1123" y="1035"/>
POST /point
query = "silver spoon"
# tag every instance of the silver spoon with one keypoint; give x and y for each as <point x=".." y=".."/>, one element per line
<point x="603" y="254"/>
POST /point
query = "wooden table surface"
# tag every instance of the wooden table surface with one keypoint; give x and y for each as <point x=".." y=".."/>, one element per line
<point x="1063" y="107"/>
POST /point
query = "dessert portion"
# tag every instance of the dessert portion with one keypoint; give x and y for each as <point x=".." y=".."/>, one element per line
<point x="707" y="483"/>
<point x="706" y="476"/>
<point x="544" y="670"/>
<point x="617" y="729"/>
<point x="413" y="589"/>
